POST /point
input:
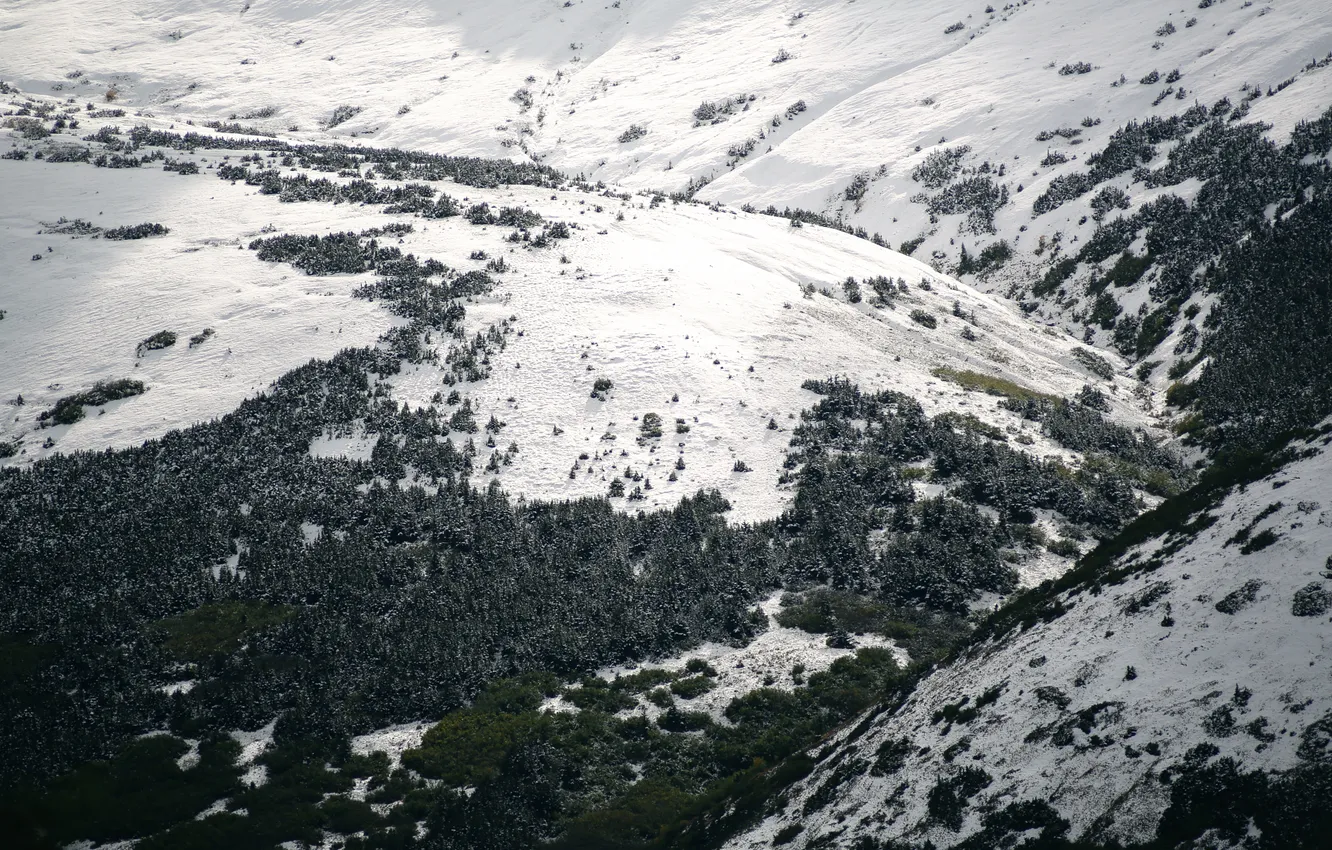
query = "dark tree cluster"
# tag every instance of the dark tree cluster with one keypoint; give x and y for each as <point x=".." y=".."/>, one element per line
<point x="411" y="598"/>
<point x="853" y="457"/>
<point x="979" y="197"/>
<point x="1129" y="146"/>
<point x="69" y="409"/>
<point x="389" y="163"/>
<point x="1218" y="243"/>
<point x="940" y="167"/>
<point x="798" y="216"/>
<point x="135" y="231"/>
<point x="977" y="194"/>
<point x="1078" y="425"/>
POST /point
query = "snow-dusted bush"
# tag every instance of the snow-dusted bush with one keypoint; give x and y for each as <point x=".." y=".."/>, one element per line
<point x="979" y="197"/>
<point x="852" y="290"/>
<point x="1094" y="363"/>
<point x="342" y="115"/>
<point x="1240" y="598"/>
<point x="921" y="317"/>
<point x="30" y="128"/>
<point x="156" y="342"/>
<point x="69" y="409"/>
<point x="635" y="131"/>
<point x="714" y="112"/>
<point x="1109" y="198"/>
<point x="1312" y="600"/>
<point x="740" y="150"/>
<point x="135" y="231"/>
<point x="1062" y="132"/>
<point x="940" y="167"/>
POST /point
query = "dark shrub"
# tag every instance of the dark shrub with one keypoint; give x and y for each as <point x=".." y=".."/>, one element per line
<point x="69" y="409"/>
<point x="158" y="341"/>
<point x="1240" y="598"/>
<point x="1312" y="600"/>
<point x="921" y="317"/>
<point x="136" y="231"/>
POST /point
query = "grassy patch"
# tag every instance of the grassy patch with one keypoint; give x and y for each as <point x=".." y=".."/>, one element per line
<point x="218" y="628"/>
<point x="597" y="694"/>
<point x="694" y="686"/>
<point x="824" y="610"/>
<point x="644" y="680"/>
<point x="990" y="384"/>
<point x="468" y="747"/>
<point x="968" y="423"/>
<point x="139" y="791"/>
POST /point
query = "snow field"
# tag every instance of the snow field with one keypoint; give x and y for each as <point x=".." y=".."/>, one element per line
<point x="77" y="315"/>
<point x="672" y="301"/>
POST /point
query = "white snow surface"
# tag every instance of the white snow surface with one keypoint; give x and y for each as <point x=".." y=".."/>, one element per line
<point x="864" y="70"/>
<point x="253" y="744"/>
<point x="1185" y="672"/>
<point x="655" y="299"/>
<point x="677" y="300"/>
<point x="767" y="661"/>
<point x="78" y="315"/>
<point x="391" y="740"/>
<point x="883" y="84"/>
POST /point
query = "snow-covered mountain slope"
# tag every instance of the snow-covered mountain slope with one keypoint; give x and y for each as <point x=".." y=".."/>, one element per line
<point x="75" y="314"/>
<point x="659" y="342"/>
<point x="831" y="107"/>
<point x="1217" y="635"/>
<point x="708" y="317"/>
<point x="876" y="79"/>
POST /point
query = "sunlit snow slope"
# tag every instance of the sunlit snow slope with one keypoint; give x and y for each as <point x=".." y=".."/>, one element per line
<point x="708" y="317"/>
<point x="562" y="82"/>
<point x="829" y="106"/>
<point x="1206" y="642"/>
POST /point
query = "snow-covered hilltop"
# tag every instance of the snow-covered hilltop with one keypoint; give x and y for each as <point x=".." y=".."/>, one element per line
<point x="564" y="81"/>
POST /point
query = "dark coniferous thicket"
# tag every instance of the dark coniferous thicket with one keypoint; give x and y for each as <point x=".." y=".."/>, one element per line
<point x="1254" y="191"/>
<point x="186" y="560"/>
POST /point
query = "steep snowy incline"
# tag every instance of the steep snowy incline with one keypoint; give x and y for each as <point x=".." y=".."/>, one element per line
<point x="560" y="81"/>
<point x="707" y="307"/>
<point x="1034" y="69"/>
<point x="1218" y="636"/>
<point x="931" y="127"/>
<point x="565" y="82"/>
